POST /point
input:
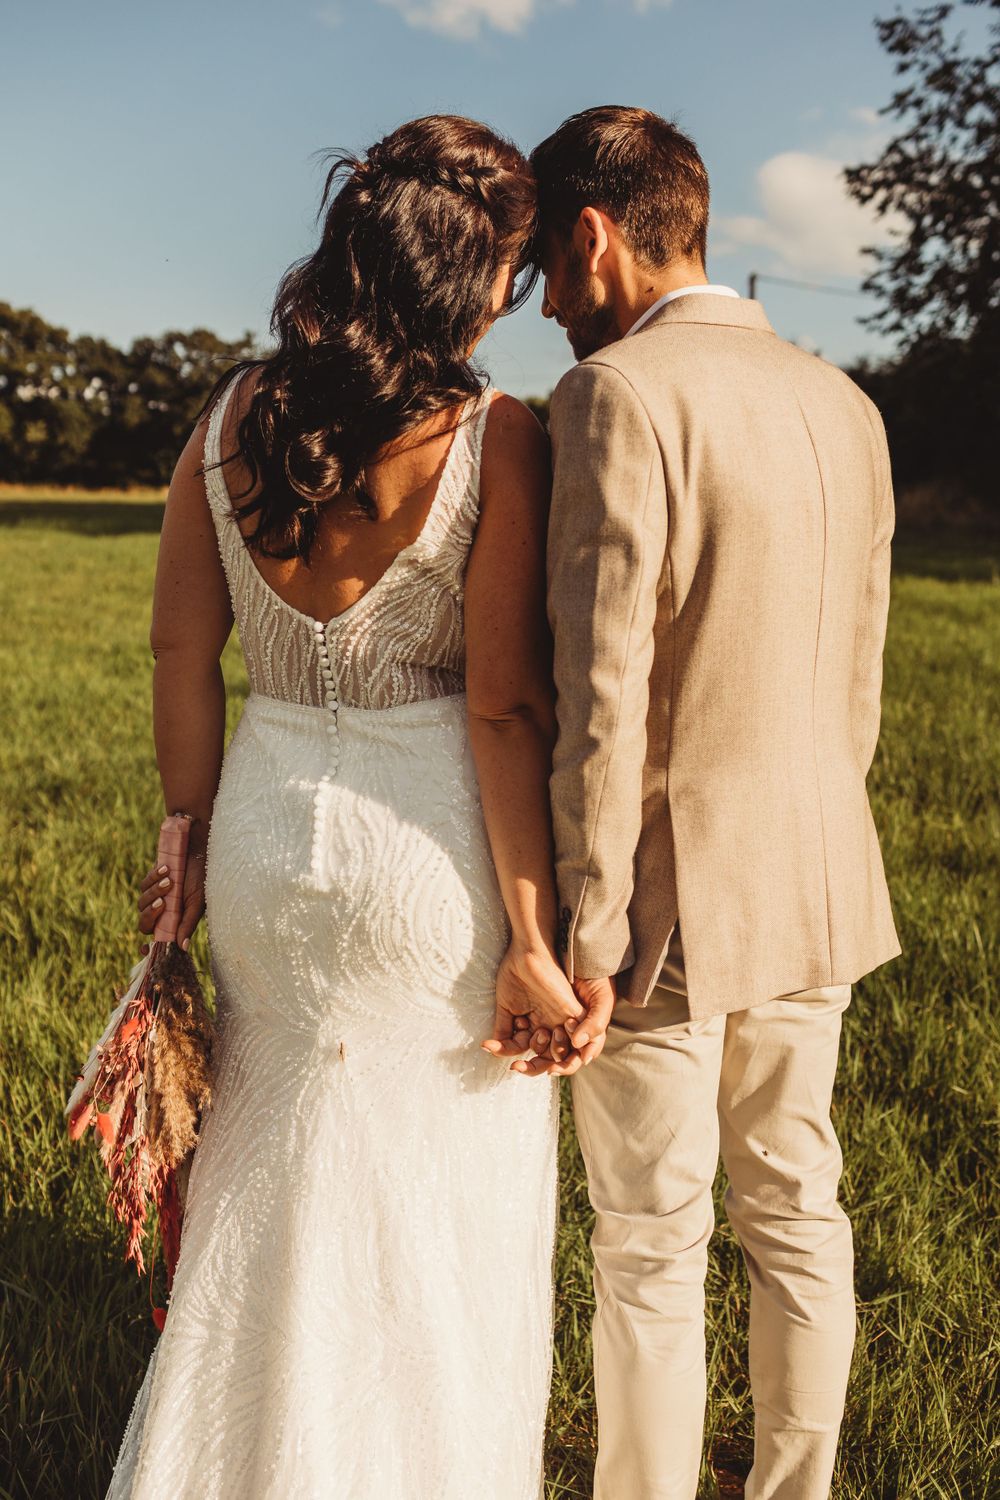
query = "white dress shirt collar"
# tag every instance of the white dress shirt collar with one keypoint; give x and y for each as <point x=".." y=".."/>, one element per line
<point x="682" y="291"/>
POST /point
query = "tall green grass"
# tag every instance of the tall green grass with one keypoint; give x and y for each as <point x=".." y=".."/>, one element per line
<point x="915" y="1105"/>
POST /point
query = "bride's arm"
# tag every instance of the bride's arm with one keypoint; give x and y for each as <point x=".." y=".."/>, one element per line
<point x="191" y="622"/>
<point x="511" y="714"/>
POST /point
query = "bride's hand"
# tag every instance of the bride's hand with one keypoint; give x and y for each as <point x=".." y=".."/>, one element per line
<point x="534" y="997"/>
<point x="155" y="886"/>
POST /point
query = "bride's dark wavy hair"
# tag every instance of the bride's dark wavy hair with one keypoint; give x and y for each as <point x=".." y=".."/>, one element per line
<point x="373" y="329"/>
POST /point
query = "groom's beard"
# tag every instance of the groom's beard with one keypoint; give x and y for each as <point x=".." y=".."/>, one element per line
<point x="590" y="325"/>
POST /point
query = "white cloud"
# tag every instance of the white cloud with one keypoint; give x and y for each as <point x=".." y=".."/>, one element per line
<point x="866" y="115"/>
<point x="465" y="19"/>
<point x="807" y="219"/>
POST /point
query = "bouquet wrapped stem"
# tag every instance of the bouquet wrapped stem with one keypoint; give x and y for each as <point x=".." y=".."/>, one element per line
<point x="146" y="1084"/>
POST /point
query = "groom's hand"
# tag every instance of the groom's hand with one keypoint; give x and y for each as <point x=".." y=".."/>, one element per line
<point x="567" y="1048"/>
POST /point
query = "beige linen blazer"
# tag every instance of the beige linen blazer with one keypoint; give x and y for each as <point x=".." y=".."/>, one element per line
<point x="718" y="569"/>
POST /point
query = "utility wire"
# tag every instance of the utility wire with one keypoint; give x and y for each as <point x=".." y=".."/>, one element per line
<point x="808" y="286"/>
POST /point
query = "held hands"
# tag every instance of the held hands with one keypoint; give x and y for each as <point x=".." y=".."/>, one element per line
<point x="155" y="886"/>
<point x="538" y="1010"/>
<point x="575" y="1044"/>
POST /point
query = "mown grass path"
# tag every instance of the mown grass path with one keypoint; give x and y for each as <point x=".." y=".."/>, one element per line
<point x="915" y="1105"/>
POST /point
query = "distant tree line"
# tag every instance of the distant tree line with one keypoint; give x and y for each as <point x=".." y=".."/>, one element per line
<point x="81" y="411"/>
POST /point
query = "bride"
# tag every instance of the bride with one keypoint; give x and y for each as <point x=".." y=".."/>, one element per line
<point x="362" y="1304"/>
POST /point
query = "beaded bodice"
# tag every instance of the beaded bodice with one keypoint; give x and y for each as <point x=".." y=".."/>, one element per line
<point x="403" y="641"/>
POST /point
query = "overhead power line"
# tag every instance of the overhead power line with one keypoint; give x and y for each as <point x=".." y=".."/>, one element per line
<point x="807" y="286"/>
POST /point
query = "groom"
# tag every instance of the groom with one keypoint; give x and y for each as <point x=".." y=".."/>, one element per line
<point x="719" y="582"/>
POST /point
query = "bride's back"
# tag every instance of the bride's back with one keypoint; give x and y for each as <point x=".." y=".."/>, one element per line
<point x="352" y="547"/>
<point x="375" y="618"/>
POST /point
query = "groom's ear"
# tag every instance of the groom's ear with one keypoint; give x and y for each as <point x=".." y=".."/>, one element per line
<point x="591" y="237"/>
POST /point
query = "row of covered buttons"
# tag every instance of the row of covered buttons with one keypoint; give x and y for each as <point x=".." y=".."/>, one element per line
<point x="329" y="690"/>
<point x="332" y="704"/>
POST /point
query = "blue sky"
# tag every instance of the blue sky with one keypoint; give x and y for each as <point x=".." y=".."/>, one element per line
<point x="159" y="167"/>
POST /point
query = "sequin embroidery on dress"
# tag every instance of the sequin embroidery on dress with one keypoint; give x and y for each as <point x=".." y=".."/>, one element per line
<point x="362" y="1308"/>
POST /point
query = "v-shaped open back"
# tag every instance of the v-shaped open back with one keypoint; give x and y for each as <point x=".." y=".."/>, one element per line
<point x="403" y="641"/>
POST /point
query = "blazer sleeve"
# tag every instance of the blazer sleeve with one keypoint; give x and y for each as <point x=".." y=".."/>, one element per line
<point x="867" y="683"/>
<point x="606" y="543"/>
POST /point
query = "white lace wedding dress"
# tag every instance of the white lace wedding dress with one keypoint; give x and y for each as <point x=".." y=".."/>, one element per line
<point x="362" y="1305"/>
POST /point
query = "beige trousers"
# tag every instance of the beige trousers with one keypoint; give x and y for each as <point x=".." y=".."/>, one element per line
<point x="652" y="1113"/>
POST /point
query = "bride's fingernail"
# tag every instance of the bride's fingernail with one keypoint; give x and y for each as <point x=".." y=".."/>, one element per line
<point x="158" y="901"/>
<point x="186" y="944"/>
<point x="163" y="870"/>
<point x="581" y="1039"/>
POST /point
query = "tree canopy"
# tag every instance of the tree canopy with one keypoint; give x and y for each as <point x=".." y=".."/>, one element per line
<point x="941" y="173"/>
<point x="939" y="282"/>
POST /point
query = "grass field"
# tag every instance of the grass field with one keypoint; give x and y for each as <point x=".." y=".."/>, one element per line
<point x="915" y="1106"/>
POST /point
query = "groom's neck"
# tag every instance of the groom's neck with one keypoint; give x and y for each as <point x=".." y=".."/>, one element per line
<point x="639" y="287"/>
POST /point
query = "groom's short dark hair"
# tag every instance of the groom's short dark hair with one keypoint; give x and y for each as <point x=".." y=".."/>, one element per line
<point x="637" y="168"/>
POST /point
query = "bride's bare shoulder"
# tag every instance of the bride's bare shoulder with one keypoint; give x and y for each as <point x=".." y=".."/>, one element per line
<point x="514" y="420"/>
<point x="515" y="446"/>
